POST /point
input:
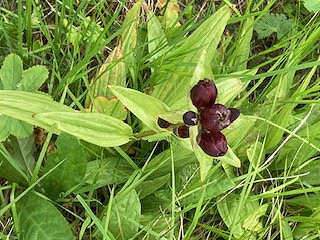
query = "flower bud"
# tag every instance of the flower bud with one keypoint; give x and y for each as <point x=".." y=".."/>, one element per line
<point x="190" y="118"/>
<point x="213" y="143"/>
<point x="215" y="118"/>
<point x="163" y="123"/>
<point x="181" y="131"/>
<point x="203" y="94"/>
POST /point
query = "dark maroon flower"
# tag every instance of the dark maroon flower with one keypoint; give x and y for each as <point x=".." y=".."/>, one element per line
<point x="234" y="114"/>
<point x="182" y="131"/>
<point x="213" y="143"/>
<point x="190" y="118"/>
<point x="203" y="94"/>
<point x="163" y="123"/>
<point x="215" y="118"/>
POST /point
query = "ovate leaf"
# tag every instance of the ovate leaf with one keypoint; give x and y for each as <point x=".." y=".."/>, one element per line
<point x="71" y="171"/>
<point x="145" y="107"/>
<point x="11" y="72"/>
<point x="33" y="78"/>
<point x="42" y="111"/>
<point x="39" y="219"/>
<point x="124" y="211"/>
<point x="102" y="130"/>
<point x="274" y="23"/>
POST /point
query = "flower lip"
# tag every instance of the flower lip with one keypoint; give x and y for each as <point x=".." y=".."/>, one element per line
<point x="203" y="94"/>
<point x="234" y="114"/>
<point x="213" y="143"/>
<point x="190" y="118"/>
<point x="181" y="131"/>
<point x="163" y="123"/>
<point x="215" y="118"/>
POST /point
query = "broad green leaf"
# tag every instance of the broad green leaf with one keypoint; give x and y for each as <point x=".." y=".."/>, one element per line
<point x="240" y="56"/>
<point x="42" y="111"/>
<point x="111" y="107"/>
<point x="71" y="171"/>
<point x="239" y="130"/>
<point x="5" y="127"/>
<point x="173" y="117"/>
<point x="305" y="228"/>
<point x="129" y="34"/>
<point x="162" y="162"/>
<point x="218" y="183"/>
<point x="252" y="222"/>
<point x="106" y="171"/>
<point x="143" y="106"/>
<point x="205" y="160"/>
<point x="149" y="186"/>
<point x="39" y="220"/>
<point x="174" y="80"/>
<point x="23" y="150"/>
<point x="228" y="89"/>
<point x="99" y="129"/>
<point x="10" y="169"/>
<point x="33" y="78"/>
<point x="295" y="152"/>
<point x="230" y="158"/>
<point x="311" y="201"/>
<point x="201" y="71"/>
<point x="124" y="211"/>
<point x="11" y="72"/>
<point x="112" y="72"/>
<point x="286" y="232"/>
<point x="282" y="118"/>
<point x="171" y="15"/>
<point x="313" y="176"/>
<point x="312" y="5"/>
<point x="256" y="153"/>
<point x="227" y="208"/>
<point x="157" y="42"/>
<point x="20" y="129"/>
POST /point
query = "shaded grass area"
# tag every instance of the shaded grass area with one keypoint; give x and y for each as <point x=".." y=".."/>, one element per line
<point x="150" y="187"/>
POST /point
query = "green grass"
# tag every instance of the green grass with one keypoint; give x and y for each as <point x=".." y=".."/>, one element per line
<point x="99" y="167"/>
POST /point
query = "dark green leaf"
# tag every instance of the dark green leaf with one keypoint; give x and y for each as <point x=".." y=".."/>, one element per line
<point x="71" y="172"/>
<point x="33" y="78"/>
<point x="39" y="220"/>
<point x="271" y="23"/>
<point x="124" y="211"/>
<point x="11" y="72"/>
<point x="112" y="170"/>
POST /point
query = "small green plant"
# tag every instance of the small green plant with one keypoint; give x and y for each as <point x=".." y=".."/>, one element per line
<point x="274" y="23"/>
